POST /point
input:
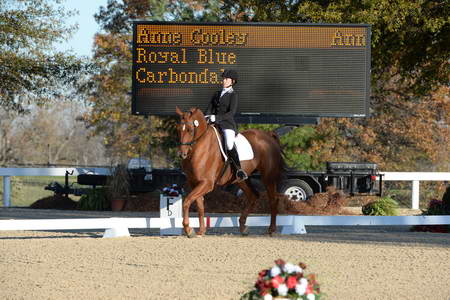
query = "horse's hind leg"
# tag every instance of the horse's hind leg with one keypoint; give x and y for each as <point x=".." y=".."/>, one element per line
<point x="273" y="202"/>
<point x="251" y="196"/>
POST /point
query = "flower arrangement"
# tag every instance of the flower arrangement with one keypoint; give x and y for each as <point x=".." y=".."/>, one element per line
<point x="285" y="281"/>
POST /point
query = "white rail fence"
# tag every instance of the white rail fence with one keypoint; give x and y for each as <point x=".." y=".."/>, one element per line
<point x="7" y="173"/>
<point x="416" y="178"/>
<point x="118" y="227"/>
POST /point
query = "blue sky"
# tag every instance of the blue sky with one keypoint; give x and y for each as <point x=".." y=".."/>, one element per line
<point x="81" y="42"/>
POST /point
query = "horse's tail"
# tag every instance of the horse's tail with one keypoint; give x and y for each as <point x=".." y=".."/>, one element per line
<point x="283" y="168"/>
<point x="275" y="136"/>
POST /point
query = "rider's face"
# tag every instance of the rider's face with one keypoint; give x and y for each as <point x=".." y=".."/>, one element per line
<point x="227" y="82"/>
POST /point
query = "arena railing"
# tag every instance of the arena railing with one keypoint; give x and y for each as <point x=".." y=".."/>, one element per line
<point x="7" y="173"/>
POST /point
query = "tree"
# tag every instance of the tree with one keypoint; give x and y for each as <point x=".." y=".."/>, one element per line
<point x="410" y="79"/>
<point x="409" y="38"/>
<point x="31" y="71"/>
<point x="6" y="150"/>
<point x="409" y="119"/>
<point x="49" y="134"/>
<point x="128" y="135"/>
<point x="410" y="71"/>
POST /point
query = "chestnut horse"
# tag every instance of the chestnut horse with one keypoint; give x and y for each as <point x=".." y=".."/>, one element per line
<point x="203" y="164"/>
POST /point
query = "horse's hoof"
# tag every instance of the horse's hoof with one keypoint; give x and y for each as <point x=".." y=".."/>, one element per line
<point x="273" y="234"/>
<point x="244" y="232"/>
<point x="191" y="234"/>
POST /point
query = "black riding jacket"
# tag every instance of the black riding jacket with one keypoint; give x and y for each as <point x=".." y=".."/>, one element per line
<point x="224" y="108"/>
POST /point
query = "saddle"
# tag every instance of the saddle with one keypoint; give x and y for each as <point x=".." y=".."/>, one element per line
<point x="243" y="147"/>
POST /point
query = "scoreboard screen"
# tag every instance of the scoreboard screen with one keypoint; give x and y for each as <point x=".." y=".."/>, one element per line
<point x="285" y="70"/>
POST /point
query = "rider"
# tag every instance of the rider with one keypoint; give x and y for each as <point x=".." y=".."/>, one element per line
<point x="221" y="110"/>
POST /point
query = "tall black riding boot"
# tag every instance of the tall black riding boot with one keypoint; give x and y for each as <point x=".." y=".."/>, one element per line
<point x="233" y="155"/>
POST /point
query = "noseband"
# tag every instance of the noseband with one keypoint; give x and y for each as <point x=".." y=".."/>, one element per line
<point x="194" y="140"/>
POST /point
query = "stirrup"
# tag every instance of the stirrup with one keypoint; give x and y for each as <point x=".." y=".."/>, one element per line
<point x="241" y="175"/>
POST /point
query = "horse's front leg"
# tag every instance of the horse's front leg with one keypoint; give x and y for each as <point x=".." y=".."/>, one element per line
<point x="198" y="191"/>
<point x="201" y="215"/>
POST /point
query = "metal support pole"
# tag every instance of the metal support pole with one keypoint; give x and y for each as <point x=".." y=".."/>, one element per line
<point x="415" y="194"/>
<point x="6" y="191"/>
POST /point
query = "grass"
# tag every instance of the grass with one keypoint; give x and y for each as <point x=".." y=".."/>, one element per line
<point x="25" y="190"/>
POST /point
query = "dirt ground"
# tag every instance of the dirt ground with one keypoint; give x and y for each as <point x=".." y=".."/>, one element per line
<point x="331" y="202"/>
<point x="353" y="262"/>
<point x="350" y="264"/>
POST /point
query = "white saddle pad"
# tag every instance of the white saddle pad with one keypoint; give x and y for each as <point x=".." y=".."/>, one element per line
<point x="244" y="148"/>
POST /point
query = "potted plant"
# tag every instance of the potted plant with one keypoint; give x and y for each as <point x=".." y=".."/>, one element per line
<point x="94" y="199"/>
<point x="118" y="187"/>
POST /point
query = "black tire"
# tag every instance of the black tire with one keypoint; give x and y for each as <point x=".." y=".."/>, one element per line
<point x="296" y="189"/>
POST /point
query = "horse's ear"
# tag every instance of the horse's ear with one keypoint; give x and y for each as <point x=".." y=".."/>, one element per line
<point x="178" y="111"/>
<point x="196" y="110"/>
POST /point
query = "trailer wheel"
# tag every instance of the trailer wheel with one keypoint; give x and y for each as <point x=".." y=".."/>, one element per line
<point x="296" y="189"/>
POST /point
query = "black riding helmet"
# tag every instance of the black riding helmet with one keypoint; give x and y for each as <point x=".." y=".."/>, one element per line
<point x="230" y="73"/>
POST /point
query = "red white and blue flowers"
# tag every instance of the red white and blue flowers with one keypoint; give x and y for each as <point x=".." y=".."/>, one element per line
<point x="285" y="280"/>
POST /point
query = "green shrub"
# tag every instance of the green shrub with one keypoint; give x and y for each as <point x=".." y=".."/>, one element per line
<point x="385" y="206"/>
<point x="94" y="199"/>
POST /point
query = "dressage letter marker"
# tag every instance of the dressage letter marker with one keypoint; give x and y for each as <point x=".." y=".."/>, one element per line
<point x="170" y="208"/>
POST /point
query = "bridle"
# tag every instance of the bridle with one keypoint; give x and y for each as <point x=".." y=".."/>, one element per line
<point x="194" y="140"/>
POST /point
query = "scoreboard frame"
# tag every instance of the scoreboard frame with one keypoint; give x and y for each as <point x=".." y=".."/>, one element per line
<point x="237" y="41"/>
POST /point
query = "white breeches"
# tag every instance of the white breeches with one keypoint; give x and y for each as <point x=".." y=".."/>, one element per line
<point x="230" y="135"/>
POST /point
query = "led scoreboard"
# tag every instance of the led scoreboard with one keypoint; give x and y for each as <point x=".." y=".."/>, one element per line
<point x="285" y="70"/>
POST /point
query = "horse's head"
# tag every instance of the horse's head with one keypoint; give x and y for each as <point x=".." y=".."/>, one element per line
<point x="191" y="127"/>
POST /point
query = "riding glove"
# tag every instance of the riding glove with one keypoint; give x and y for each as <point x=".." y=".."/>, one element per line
<point x="211" y="118"/>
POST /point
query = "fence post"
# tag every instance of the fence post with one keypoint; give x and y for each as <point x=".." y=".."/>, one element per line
<point x="6" y="191"/>
<point x="415" y="194"/>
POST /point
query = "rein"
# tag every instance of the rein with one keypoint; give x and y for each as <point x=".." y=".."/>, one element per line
<point x="194" y="140"/>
